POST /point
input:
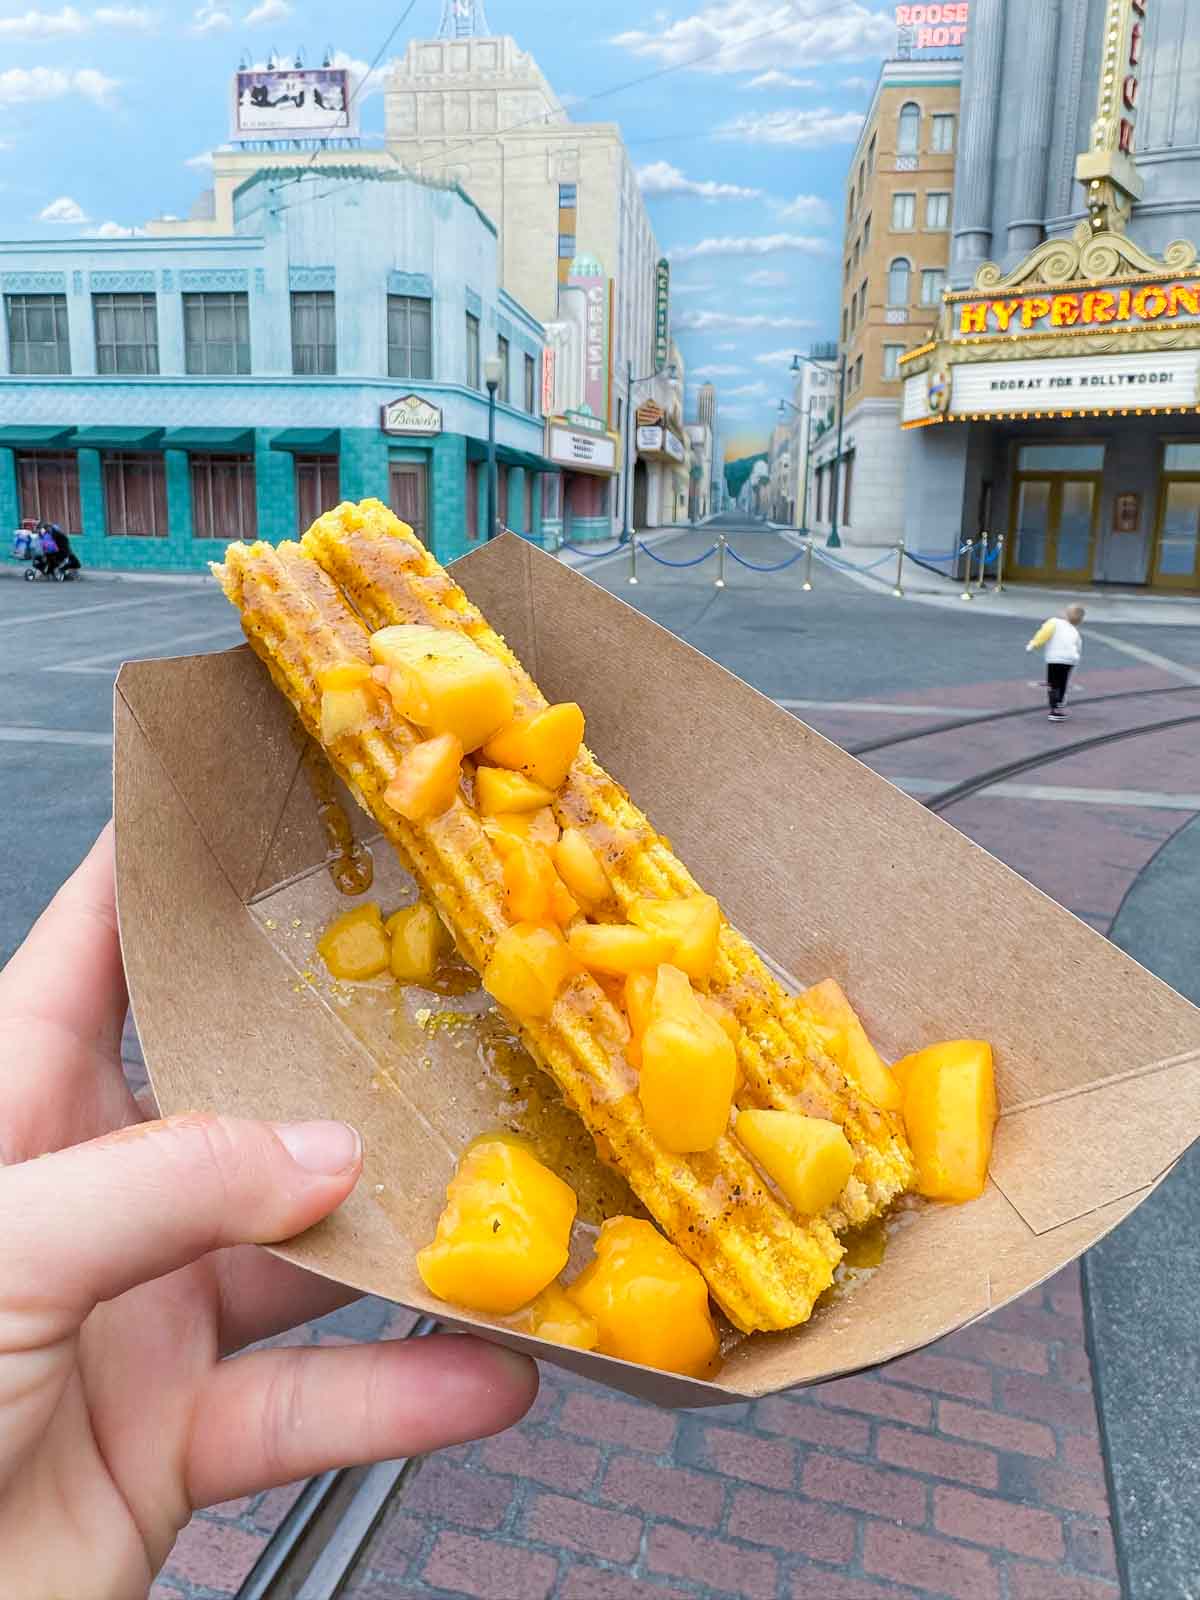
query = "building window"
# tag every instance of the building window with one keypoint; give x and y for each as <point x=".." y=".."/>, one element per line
<point x="891" y="360"/>
<point x="862" y="177"/>
<point x="866" y="234"/>
<point x="845" y="323"/>
<point x="126" y="333"/>
<point x="942" y="140"/>
<point x="314" y="333"/>
<point x="933" y="281"/>
<point x="502" y="354"/>
<point x="849" y="268"/>
<point x="472" y="351"/>
<point x="862" y="301"/>
<point x="135" y="496"/>
<point x="531" y="386"/>
<point x="223" y="505"/>
<point x="908" y="129"/>
<point x="898" y="282"/>
<point x="566" y="247"/>
<point x="904" y="212"/>
<point x="871" y="153"/>
<point x="850" y="204"/>
<point x="937" y="210"/>
<point x="38" y="342"/>
<point x="410" y="346"/>
<point x="317" y="489"/>
<point x="568" y="196"/>
<point x="48" y="488"/>
<point x="216" y="332"/>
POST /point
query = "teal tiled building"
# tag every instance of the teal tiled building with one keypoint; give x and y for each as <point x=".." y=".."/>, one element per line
<point x="159" y="397"/>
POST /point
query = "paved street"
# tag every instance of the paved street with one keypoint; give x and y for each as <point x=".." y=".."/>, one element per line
<point x="973" y="1470"/>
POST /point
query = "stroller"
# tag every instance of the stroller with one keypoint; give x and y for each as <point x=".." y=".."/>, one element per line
<point x="53" y="558"/>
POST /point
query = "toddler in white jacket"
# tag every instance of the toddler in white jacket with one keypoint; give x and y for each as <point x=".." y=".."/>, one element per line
<point x="1063" y="644"/>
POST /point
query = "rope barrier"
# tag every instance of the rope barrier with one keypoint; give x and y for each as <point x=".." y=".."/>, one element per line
<point x="592" y="555"/>
<point x="777" y="567"/>
<point x="852" y="566"/>
<point x="663" y="562"/>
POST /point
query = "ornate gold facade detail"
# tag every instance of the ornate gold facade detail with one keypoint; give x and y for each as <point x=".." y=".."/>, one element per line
<point x="1088" y="257"/>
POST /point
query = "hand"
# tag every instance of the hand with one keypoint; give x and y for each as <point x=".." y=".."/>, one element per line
<point x="127" y="1271"/>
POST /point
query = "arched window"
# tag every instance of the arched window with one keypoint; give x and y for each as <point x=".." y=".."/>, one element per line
<point x="908" y="132"/>
<point x="899" y="274"/>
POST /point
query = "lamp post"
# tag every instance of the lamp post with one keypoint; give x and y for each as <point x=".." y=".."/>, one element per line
<point x="806" y="411"/>
<point x="834" y="541"/>
<point x="492" y="370"/>
<point x="672" y="373"/>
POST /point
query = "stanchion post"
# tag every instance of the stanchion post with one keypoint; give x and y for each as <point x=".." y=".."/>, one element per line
<point x="998" y="587"/>
<point x="970" y="554"/>
<point x="983" y="551"/>
<point x="720" y="583"/>
<point x="808" y="558"/>
<point x="633" y="543"/>
<point x="898" y="590"/>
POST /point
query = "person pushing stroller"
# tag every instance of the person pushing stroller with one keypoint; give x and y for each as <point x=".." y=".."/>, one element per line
<point x="55" y="551"/>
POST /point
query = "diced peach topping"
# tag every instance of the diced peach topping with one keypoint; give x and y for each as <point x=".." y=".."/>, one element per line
<point x="418" y="939"/>
<point x="426" y="780"/>
<point x="355" y="946"/>
<point x="539" y="827"/>
<point x="528" y="967"/>
<point x="855" y="1054"/>
<point x="443" y="682"/>
<point x="810" y="1160"/>
<point x="649" y="1303"/>
<point x="722" y="1016"/>
<point x="950" y="1111"/>
<point x="343" y="711"/>
<point x="555" y="1316"/>
<point x="691" y="927"/>
<point x="615" y="947"/>
<point x="580" y="869"/>
<point x="504" y="1233"/>
<point x="689" y="1068"/>
<point x="346" y="675"/>
<point x="639" y="1002"/>
<point x="542" y="746"/>
<point x="498" y="792"/>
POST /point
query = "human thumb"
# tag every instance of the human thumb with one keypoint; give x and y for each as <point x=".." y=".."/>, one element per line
<point x="85" y="1224"/>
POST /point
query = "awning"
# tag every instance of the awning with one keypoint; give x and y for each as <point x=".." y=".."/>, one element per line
<point x="237" y="441"/>
<point x="508" y="456"/>
<point x="118" y="438"/>
<point x="18" y="437"/>
<point x="309" y="441"/>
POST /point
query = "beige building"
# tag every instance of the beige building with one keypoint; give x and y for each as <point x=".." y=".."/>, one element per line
<point x="894" y="260"/>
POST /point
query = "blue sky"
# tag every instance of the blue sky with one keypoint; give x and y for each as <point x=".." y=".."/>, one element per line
<point x="741" y="126"/>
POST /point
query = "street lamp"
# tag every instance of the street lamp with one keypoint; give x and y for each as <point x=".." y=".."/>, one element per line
<point x="492" y="372"/>
<point x="833" y="542"/>
<point x="671" y="373"/>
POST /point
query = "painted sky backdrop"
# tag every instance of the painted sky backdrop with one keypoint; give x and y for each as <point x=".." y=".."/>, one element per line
<point x="740" y="117"/>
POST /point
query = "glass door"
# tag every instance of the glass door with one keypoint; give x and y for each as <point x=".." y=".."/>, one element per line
<point x="1178" y="538"/>
<point x="1029" y="536"/>
<point x="1053" y="529"/>
<point x="407" y="493"/>
<point x="1073" y="522"/>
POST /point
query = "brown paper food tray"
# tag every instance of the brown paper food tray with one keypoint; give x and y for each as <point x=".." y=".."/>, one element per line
<point x="823" y="864"/>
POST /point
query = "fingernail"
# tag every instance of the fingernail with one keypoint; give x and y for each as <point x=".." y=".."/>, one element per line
<point x="328" y="1148"/>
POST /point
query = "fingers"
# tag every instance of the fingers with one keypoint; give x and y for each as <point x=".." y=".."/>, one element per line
<point x="278" y="1415"/>
<point x="262" y="1296"/>
<point x="86" y="1224"/>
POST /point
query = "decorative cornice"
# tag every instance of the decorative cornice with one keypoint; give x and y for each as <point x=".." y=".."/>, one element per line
<point x="121" y="282"/>
<point x="1085" y="257"/>
<point x="419" y="284"/>
<point x="312" y="278"/>
<point x="199" y="279"/>
<point x="33" y="282"/>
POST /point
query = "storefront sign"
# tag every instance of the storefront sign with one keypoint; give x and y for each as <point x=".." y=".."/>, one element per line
<point x="662" y="314"/>
<point x="934" y="27"/>
<point x="673" y="444"/>
<point x="294" y="103"/>
<point x="586" y="452"/>
<point x="649" y="439"/>
<point x="548" y="360"/>
<point x="1075" y="383"/>
<point x="1135" y="305"/>
<point x="657" y="441"/>
<point x="589" y="424"/>
<point x="411" y="414"/>
<point x="597" y="291"/>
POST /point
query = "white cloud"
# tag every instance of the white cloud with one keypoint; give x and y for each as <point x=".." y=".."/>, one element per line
<point x="781" y="80"/>
<point x="748" y="391"/>
<point x="809" y="208"/>
<point x="777" y="358"/>
<point x="765" y="278"/>
<point x="203" y="161"/>
<point x="364" y="83"/>
<point x="21" y="86"/>
<point x="660" y="177"/>
<point x="766" y="244"/>
<point x="69" y="20"/>
<point x="735" y="322"/>
<point x="268" y="11"/>
<point x="136" y="18"/>
<point x="211" y="16"/>
<point x="113" y="230"/>
<point x="808" y="128"/>
<point x="691" y="288"/>
<point x="717" y="370"/>
<point x="758" y="35"/>
<point x="728" y="345"/>
<point x="858" y="85"/>
<point x="64" y="210"/>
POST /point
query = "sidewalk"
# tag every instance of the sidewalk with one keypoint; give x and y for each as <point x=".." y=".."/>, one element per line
<point x="1104" y="603"/>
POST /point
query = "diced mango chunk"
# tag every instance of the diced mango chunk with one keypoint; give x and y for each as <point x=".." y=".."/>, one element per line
<point x="444" y="682"/>
<point x="343" y="711"/>
<point x="639" y="1002"/>
<point x="535" y="892"/>
<point x="722" y="1016"/>
<point x="418" y="939"/>
<point x="542" y="746"/>
<point x="355" y="946"/>
<point x="498" y="791"/>
<point x="346" y="675"/>
<point x="528" y="967"/>
<point x="950" y="1111"/>
<point x="616" y="947"/>
<point x="809" y="1160"/>
<point x="688" y="1070"/>
<point x="691" y="927"/>
<point x="505" y="1231"/>
<point x="555" y="1316"/>
<point x="580" y="869"/>
<point x="426" y="780"/>
<point x="538" y="827"/>
<point x="649" y="1303"/>
<point x="826" y="1003"/>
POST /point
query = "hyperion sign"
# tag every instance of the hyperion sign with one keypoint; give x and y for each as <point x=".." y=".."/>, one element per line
<point x="934" y="26"/>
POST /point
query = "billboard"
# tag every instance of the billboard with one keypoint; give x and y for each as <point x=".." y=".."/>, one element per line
<point x="934" y="26"/>
<point x="662" y="314"/>
<point x="596" y="292"/>
<point x="294" y="103"/>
